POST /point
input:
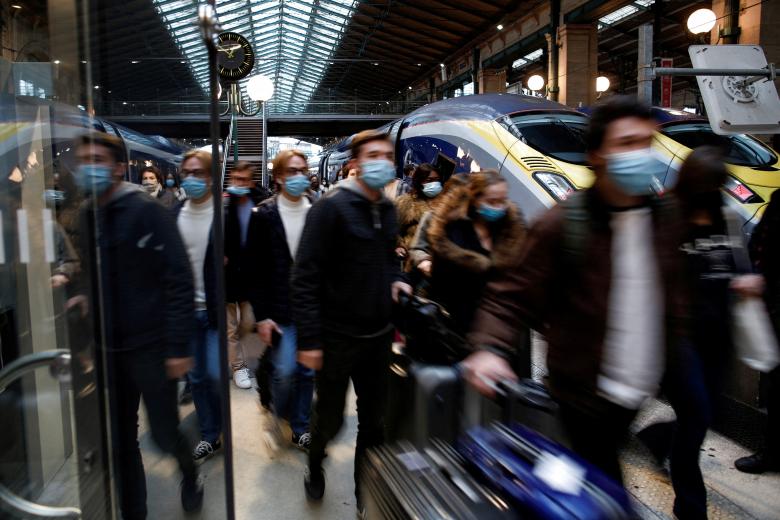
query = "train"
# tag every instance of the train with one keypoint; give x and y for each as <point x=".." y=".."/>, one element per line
<point x="538" y="145"/>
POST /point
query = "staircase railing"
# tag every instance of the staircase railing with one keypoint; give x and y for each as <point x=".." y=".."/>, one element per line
<point x="226" y="149"/>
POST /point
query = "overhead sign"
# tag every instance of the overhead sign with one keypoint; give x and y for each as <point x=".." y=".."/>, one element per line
<point x="666" y="84"/>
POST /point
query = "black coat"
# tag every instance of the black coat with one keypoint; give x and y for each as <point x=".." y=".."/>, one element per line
<point x="239" y="270"/>
<point x="271" y="265"/>
<point x="344" y="269"/>
<point x="145" y="279"/>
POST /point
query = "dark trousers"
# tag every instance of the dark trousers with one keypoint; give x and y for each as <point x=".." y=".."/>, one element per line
<point x="366" y="362"/>
<point x="597" y="433"/>
<point x="773" y="415"/>
<point x="135" y="374"/>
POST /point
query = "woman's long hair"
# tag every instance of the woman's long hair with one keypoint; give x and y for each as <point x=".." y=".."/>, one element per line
<point x="701" y="177"/>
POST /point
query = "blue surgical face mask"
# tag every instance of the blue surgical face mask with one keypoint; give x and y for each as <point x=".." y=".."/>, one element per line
<point x="94" y="179"/>
<point x="238" y="191"/>
<point x="432" y="189"/>
<point x="638" y="172"/>
<point x="170" y="183"/>
<point x="296" y="185"/>
<point x="377" y="174"/>
<point x="195" y="188"/>
<point x="491" y="213"/>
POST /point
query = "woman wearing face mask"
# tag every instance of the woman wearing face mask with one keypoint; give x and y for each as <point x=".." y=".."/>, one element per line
<point x="426" y="187"/>
<point x="172" y="187"/>
<point x="715" y="260"/>
<point x="473" y="232"/>
<point x="280" y="223"/>
<point x="151" y="181"/>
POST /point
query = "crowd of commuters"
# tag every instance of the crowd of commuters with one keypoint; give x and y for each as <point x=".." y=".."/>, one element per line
<point x="631" y="287"/>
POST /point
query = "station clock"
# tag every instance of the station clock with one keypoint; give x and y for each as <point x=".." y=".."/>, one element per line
<point x="235" y="57"/>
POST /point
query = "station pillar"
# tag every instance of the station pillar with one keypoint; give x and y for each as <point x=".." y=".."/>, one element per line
<point x="577" y="64"/>
<point x="492" y="80"/>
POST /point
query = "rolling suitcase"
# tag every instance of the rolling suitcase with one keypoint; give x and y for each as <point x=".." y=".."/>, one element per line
<point x="402" y="482"/>
<point x="540" y="478"/>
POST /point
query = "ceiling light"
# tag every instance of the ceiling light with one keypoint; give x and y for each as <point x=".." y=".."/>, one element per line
<point x="124" y="102"/>
<point x="376" y="64"/>
<point x="500" y="27"/>
<point x="97" y="87"/>
<point x="260" y="88"/>
<point x="535" y="82"/>
<point x="602" y="84"/>
<point x="701" y="21"/>
<point x="410" y="88"/>
<point x="84" y="62"/>
<point x="441" y="65"/>
<point x="16" y="6"/>
<point x="134" y="62"/>
<point x="56" y="62"/>
<point x="419" y="64"/>
<point x="183" y="61"/>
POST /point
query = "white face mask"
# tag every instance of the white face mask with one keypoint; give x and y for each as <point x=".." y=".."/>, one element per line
<point x="150" y="186"/>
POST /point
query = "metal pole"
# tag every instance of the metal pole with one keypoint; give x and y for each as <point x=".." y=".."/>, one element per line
<point x="644" y="86"/>
<point x="768" y="72"/>
<point x="554" y="51"/>
<point x="236" y="102"/>
<point x="265" y="149"/>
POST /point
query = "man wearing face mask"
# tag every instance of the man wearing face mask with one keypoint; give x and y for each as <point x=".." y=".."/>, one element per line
<point x="344" y="281"/>
<point x="146" y="314"/>
<point x="239" y="220"/>
<point x="600" y="277"/>
<point x="280" y="223"/>
<point x="195" y="219"/>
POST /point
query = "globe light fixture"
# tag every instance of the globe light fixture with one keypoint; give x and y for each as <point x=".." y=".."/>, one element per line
<point x="701" y="21"/>
<point x="602" y="84"/>
<point x="535" y="83"/>
<point x="260" y="88"/>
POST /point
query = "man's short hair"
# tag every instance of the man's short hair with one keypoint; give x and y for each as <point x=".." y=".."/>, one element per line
<point x="282" y="158"/>
<point x="242" y="166"/>
<point x="365" y="137"/>
<point x="202" y="156"/>
<point x="609" y="111"/>
<point x="111" y="142"/>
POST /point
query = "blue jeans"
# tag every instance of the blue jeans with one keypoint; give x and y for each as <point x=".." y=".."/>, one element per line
<point x="205" y="376"/>
<point x="292" y="385"/>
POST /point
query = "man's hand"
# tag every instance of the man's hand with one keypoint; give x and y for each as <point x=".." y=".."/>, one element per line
<point x="748" y="285"/>
<point x="310" y="359"/>
<point x="400" y="287"/>
<point x="425" y="267"/>
<point x="400" y="252"/>
<point x="177" y="367"/>
<point x="266" y="330"/>
<point x="59" y="280"/>
<point x="483" y="368"/>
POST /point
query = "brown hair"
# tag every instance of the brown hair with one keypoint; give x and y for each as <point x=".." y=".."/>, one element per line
<point x="242" y="166"/>
<point x="113" y="143"/>
<point x="155" y="170"/>
<point x="480" y="181"/>
<point x="203" y="157"/>
<point x="365" y="137"/>
<point x="282" y="158"/>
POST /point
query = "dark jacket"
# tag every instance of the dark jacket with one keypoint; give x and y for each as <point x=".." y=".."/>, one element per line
<point x="213" y="301"/>
<point x="271" y="265"/>
<point x="765" y="254"/>
<point x="167" y="199"/>
<point x="239" y="270"/>
<point x="145" y="279"/>
<point x="569" y="303"/>
<point x="461" y="266"/>
<point x="345" y="267"/>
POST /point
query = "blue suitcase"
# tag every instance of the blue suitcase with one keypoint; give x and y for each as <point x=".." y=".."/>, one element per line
<point x="540" y="478"/>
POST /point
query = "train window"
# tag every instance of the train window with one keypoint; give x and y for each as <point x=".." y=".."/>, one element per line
<point x="561" y="136"/>
<point x="740" y="149"/>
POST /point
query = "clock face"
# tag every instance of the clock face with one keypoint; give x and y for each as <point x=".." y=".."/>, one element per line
<point x="235" y="57"/>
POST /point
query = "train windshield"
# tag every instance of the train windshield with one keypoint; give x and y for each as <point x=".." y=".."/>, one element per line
<point x="560" y="136"/>
<point x="740" y="149"/>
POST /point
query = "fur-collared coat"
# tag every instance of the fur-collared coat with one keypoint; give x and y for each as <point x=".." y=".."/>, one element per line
<point x="410" y="208"/>
<point x="461" y="265"/>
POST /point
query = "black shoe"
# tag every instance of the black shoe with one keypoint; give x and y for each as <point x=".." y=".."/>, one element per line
<point x="757" y="463"/>
<point x="302" y="441"/>
<point x="360" y="510"/>
<point x="314" y="483"/>
<point x="205" y="449"/>
<point x="192" y="493"/>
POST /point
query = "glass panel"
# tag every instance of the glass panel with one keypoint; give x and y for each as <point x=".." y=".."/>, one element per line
<point x="561" y="136"/>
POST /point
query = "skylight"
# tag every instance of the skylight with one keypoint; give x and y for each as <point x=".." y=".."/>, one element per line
<point x="624" y="12"/>
<point x="292" y="40"/>
<point x="527" y="59"/>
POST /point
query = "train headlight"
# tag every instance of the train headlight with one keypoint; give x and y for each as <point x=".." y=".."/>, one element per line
<point x="555" y="184"/>
<point x="740" y="191"/>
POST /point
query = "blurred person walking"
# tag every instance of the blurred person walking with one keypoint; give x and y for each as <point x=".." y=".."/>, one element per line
<point x="345" y="278"/>
<point x="172" y="186"/>
<point x="195" y="219"/>
<point x="316" y="191"/>
<point x="426" y="187"/>
<point x="599" y="276"/>
<point x="243" y="196"/>
<point x="280" y="223"/>
<point x="152" y="183"/>
<point x="147" y="314"/>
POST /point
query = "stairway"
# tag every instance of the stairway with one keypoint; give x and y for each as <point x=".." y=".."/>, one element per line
<point x="250" y="145"/>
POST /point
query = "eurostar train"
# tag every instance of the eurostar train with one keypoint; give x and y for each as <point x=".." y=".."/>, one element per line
<point x="39" y="133"/>
<point x="536" y="144"/>
<point x="754" y="166"/>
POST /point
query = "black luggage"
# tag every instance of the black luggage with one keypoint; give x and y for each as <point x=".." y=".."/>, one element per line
<point x="402" y="482"/>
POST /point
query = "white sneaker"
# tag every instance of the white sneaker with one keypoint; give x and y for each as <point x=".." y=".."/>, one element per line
<point x="242" y="378"/>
